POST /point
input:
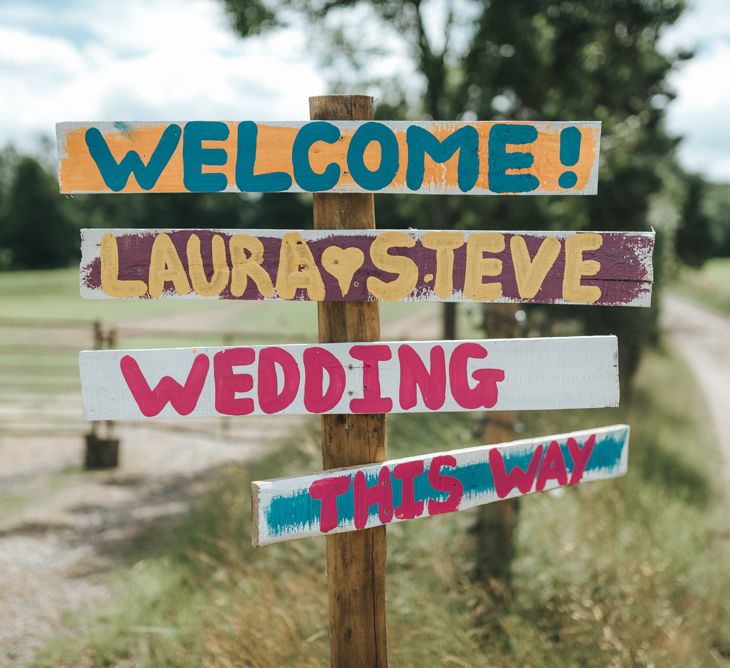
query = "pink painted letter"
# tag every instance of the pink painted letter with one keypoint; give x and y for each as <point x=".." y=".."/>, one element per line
<point x="183" y="398"/>
<point x="228" y="383"/>
<point x="327" y="490"/>
<point x="485" y="392"/>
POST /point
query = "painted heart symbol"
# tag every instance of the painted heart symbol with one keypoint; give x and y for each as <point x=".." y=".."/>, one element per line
<point x="342" y="263"/>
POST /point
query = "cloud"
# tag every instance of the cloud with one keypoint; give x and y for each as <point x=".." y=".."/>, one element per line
<point x="700" y="112"/>
<point x="705" y="21"/>
<point x="143" y="60"/>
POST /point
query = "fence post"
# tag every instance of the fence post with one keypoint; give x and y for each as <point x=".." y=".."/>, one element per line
<point x="356" y="560"/>
<point x="102" y="453"/>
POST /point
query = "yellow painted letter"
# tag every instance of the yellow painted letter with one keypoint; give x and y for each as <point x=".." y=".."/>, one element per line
<point x="111" y="284"/>
<point x="245" y="266"/>
<point x="407" y="270"/>
<point x="297" y="269"/>
<point x="221" y="272"/>
<point x="531" y="273"/>
<point x="576" y="267"/>
<point x="444" y="243"/>
<point x="165" y="265"/>
<point x="477" y="266"/>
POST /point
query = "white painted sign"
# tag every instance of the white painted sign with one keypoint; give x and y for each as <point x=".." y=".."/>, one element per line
<point x="396" y="377"/>
<point x="361" y="497"/>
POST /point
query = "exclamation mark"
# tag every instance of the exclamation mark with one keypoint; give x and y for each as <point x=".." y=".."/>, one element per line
<point x="569" y="154"/>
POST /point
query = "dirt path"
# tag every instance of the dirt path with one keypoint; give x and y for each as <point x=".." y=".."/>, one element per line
<point x="62" y="530"/>
<point x="702" y="338"/>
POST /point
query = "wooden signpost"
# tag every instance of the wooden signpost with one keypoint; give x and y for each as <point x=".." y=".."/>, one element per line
<point x="362" y="497"/>
<point x="351" y="378"/>
<point x="354" y="378"/>
<point x="600" y="268"/>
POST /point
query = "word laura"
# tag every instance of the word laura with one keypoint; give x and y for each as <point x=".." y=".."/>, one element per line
<point x="482" y="157"/>
<point x="351" y="378"/>
<point x="563" y="267"/>
<point x="405" y="489"/>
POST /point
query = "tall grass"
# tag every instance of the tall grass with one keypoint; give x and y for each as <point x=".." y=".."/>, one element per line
<point x="631" y="572"/>
<point x="709" y="285"/>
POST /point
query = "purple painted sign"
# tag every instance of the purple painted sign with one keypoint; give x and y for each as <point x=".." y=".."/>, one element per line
<point x="601" y="268"/>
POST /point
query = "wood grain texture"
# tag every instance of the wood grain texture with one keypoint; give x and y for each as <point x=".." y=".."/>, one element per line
<point x="343" y="500"/>
<point x="356" y="564"/>
<point x="351" y="378"/>
<point x="427" y="157"/>
<point x="344" y="264"/>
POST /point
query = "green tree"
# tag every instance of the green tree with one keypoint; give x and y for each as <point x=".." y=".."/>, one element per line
<point x="595" y="60"/>
<point x="716" y="206"/>
<point x="37" y="227"/>
<point x="545" y="59"/>
<point x="694" y="240"/>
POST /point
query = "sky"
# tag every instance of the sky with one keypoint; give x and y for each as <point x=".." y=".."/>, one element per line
<point x="86" y="60"/>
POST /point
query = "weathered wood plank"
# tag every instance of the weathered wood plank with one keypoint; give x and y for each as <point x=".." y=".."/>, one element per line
<point x="432" y="157"/>
<point x="352" y="378"/>
<point x="362" y="497"/>
<point x="600" y="268"/>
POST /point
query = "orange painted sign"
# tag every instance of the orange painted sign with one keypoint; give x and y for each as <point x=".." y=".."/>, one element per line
<point x="444" y="157"/>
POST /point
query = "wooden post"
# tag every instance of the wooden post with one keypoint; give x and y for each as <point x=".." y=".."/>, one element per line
<point x="102" y="453"/>
<point x="355" y="561"/>
<point x="496" y="523"/>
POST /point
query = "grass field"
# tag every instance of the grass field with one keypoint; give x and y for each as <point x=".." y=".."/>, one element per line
<point x="631" y="572"/>
<point x="53" y="296"/>
<point x="44" y="323"/>
<point x="709" y="285"/>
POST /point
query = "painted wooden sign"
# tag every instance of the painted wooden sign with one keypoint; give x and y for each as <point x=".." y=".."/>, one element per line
<point x="514" y="374"/>
<point x="606" y="268"/>
<point x="372" y="495"/>
<point x="434" y="157"/>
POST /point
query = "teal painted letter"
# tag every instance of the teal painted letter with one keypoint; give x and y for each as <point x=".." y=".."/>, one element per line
<point x="304" y="175"/>
<point x="465" y="140"/>
<point x="195" y="156"/>
<point x="116" y="175"/>
<point x="385" y="173"/>
<point x="500" y="160"/>
<point x="246" y="180"/>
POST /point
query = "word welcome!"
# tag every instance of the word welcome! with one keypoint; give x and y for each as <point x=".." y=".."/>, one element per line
<point x="404" y="489"/>
<point x="517" y="374"/>
<point x="607" y="268"/>
<point x="478" y="158"/>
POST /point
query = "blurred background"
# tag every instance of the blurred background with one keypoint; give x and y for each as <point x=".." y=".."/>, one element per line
<point x="127" y="544"/>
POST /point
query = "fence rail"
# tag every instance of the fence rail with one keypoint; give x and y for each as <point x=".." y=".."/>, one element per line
<point x="40" y="395"/>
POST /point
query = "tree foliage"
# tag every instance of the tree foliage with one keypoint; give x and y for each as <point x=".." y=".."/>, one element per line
<point x="695" y="242"/>
<point x="716" y="206"/>
<point x="501" y="59"/>
<point x="39" y="229"/>
<point x="36" y="228"/>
